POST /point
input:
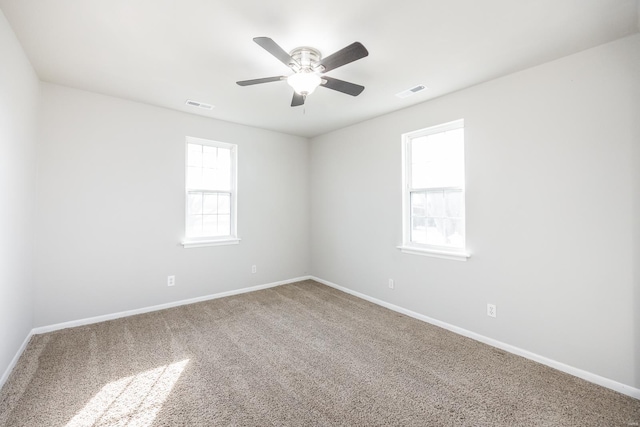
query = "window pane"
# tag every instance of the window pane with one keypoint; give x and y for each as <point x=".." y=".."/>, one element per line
<point x="210" y="204"/>
<point x="454" y="137"/>
<point x="194" y="177"/>
<point x="454" y="232"/>
<point x="419" y="229"/>
<point x="209" y="188"/>
<point x="209" y="179"/>
<point x="194" y="155"/>
<point x="418" y="149"/>
<point x="194" y="225"/>
<point x="223" y="180"/>
<point x="224" y="159"/>
<point x="209" y="225"/>
<point x="418" y="204"/>
<point x="194" y="203"/>
<point x="209" y="157"/>
<point x="224" y="203"/>
<point x="435" y="232"/>
<point x="208" y="168"/>
<point x="438" y="160"/>
<point x="224" y="225"/>
<point x="435" y="204"/>
<point x="419" y="175"/>
<point x="435" y="186"/>
<point x="453" y="203"/>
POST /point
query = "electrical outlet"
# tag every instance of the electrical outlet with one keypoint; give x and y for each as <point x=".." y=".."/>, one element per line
<point x="254" y="269"/>
<point x="491" y="310"/>
<point x="171" y="280"/>
<point x="391" y="284"/>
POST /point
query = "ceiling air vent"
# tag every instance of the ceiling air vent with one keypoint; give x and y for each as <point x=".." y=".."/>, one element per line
<point x="199" y="104"/>
<point x="411" y="91"/>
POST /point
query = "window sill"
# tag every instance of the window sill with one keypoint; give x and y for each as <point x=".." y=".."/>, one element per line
<point x="456" y="256"/>
<point x="203" y="243"/>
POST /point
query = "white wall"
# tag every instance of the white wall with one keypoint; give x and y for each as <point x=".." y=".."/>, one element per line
<point x="553" y="206"/>
<point x="18" y="114"/>
<point x="110" y="210"/>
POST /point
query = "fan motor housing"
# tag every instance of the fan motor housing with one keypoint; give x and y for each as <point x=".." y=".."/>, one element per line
<point x="307" y="57"/>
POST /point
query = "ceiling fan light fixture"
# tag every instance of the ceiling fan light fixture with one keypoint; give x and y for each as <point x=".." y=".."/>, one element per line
<point x="304" y="82"/>
<point x="309" y="69"/>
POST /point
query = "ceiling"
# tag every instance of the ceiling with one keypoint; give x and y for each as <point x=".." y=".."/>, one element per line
<point x="163" y="52"/>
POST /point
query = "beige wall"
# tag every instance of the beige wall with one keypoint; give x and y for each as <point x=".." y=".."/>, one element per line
<point x="111" y="208"/>
<point x="553" y="207"/>
<point x="18" y="114"/>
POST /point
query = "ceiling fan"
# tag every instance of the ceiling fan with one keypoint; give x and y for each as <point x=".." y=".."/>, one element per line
<point x="309" y="68"/>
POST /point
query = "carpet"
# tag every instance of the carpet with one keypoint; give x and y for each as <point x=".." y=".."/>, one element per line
<point x="302" y="354"/>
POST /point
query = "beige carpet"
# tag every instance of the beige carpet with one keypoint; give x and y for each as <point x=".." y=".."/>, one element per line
<point x="296" y="355"/>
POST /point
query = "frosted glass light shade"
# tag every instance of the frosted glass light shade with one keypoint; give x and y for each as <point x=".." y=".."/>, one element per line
<point x="304" y="83"/>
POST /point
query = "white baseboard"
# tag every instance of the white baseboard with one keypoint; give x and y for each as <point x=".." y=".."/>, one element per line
<point x="12" y="365"/>
<point x="585" y="375"/>
<point x="105" y="317"/>
<point x="588" y="376"/>
<point x="97" y="319"/>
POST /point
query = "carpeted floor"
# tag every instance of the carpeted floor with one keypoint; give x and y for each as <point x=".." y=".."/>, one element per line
<point x="296" y="355"/>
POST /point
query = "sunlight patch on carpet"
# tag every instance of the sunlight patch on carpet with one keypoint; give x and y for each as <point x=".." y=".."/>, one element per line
<point x="130" y="401"/>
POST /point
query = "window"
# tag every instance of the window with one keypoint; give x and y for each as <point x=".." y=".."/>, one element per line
<point x="211" y="193"/>
<point x="433" y="191"/>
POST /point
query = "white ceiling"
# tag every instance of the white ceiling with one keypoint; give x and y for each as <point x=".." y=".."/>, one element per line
<point x="163" y="52"/>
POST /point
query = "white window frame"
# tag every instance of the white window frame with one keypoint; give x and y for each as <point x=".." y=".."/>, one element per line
<point x="415" y="248"/>
<point x="194" y="242"/>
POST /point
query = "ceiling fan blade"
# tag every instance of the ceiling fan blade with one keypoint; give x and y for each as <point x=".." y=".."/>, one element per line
<point x="342" y="86"/>
<point x="344" y="56"/>
<point x="274" y="49"/>
<point x="258" y="81"/>
<point x="297" y="100"/>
